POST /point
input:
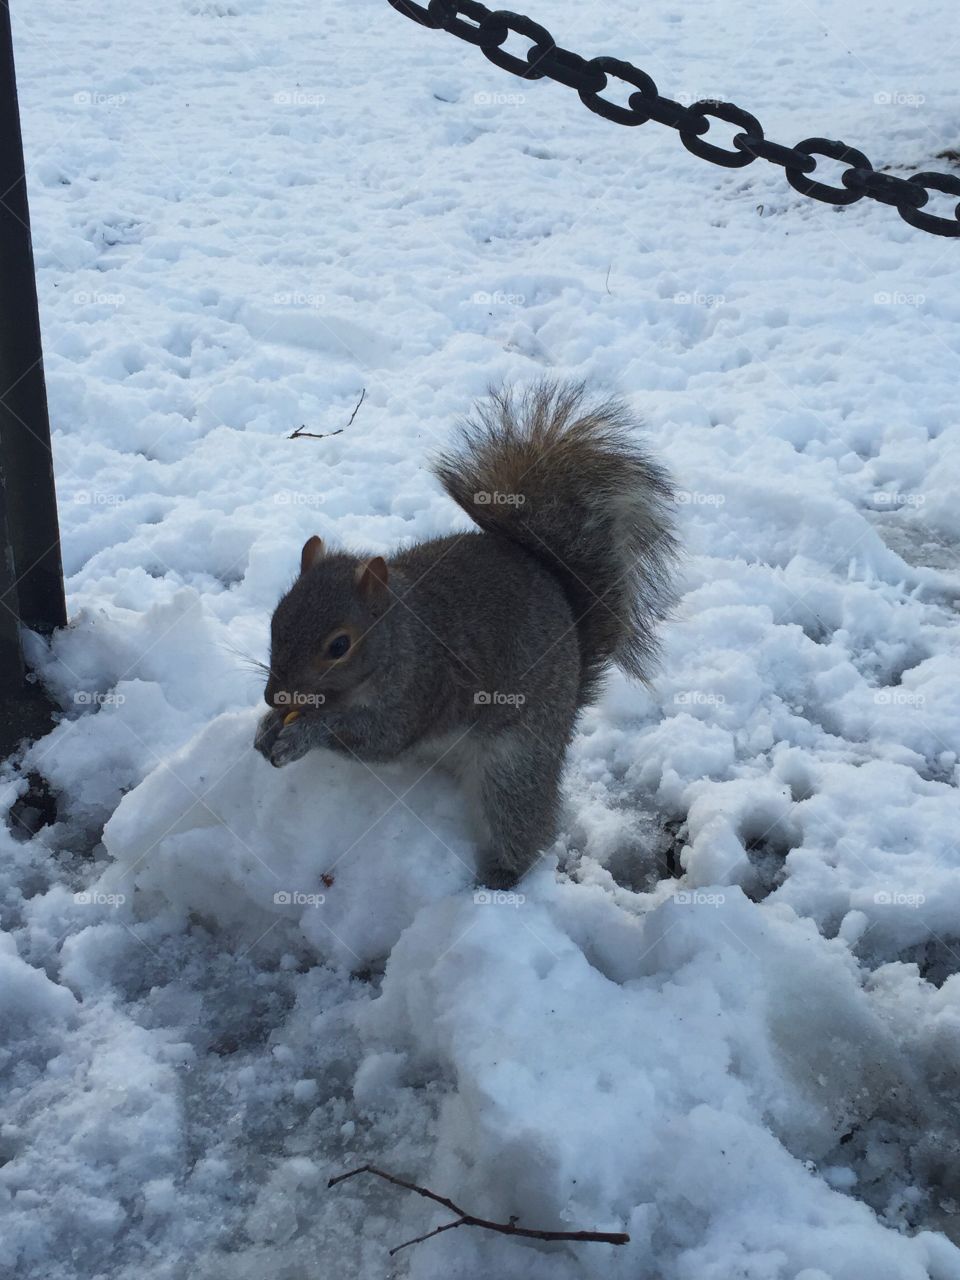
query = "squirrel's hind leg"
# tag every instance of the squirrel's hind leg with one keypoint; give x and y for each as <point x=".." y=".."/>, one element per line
<point x="513" y="781"/>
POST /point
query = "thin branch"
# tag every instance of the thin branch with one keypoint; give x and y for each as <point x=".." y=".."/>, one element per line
<point x="464" y="1219"/>
<point x="302" y="433"/>
<point x="447" y="1226"/>
<point x="363" y="393"/>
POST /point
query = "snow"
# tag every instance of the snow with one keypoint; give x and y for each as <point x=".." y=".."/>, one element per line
<point x="178" y="834"/>
<point x="723" y="1014"/>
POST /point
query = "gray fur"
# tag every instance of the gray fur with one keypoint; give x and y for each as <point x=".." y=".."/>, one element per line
<point x="491" y="640"/>
<point x="592" y="505"/>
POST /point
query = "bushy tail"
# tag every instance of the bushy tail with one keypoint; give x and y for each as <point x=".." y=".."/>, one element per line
<point x="565" y="477"/>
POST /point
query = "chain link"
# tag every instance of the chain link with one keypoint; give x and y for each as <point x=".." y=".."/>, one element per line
<point x="546" y="60"/>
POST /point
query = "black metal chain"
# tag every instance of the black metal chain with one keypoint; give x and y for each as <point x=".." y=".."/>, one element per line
<point x="545" y="59"/>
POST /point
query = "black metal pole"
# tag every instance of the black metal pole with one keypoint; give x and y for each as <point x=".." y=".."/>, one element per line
<point x="31" y="573"/>
<point x="25" y="455"/>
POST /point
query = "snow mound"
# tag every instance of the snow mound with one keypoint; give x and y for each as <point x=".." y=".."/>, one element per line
<point x="631" y="1103"/>
<point x="327" y="842"/>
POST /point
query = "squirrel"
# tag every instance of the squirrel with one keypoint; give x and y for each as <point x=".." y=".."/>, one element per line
<point x="487" y="643"/>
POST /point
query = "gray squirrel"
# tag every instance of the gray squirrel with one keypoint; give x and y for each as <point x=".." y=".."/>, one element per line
<point x="486" y="644"/>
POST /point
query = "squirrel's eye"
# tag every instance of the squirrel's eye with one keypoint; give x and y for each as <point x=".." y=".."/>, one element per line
<point x="338" y="647"/>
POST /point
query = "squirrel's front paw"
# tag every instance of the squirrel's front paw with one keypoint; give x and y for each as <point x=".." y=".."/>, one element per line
<point x="268" y="730"/>
<point x="290" y="744"/>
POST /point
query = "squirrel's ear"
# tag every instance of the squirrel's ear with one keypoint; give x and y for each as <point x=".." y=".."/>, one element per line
<point x="313" y="550"/>
<point x="372" y="576"/>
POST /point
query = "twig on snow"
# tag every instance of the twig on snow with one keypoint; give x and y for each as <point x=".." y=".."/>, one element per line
<point x="302" y="433"/>
<point x="464" y="1219"/>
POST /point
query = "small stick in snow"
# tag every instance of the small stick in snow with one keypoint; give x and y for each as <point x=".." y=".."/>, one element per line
<point x="302" y="433"/>
<point x="465" y="1219"/>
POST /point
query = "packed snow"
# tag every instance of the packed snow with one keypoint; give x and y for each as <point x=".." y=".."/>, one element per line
<point x="723" y="1013"/>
